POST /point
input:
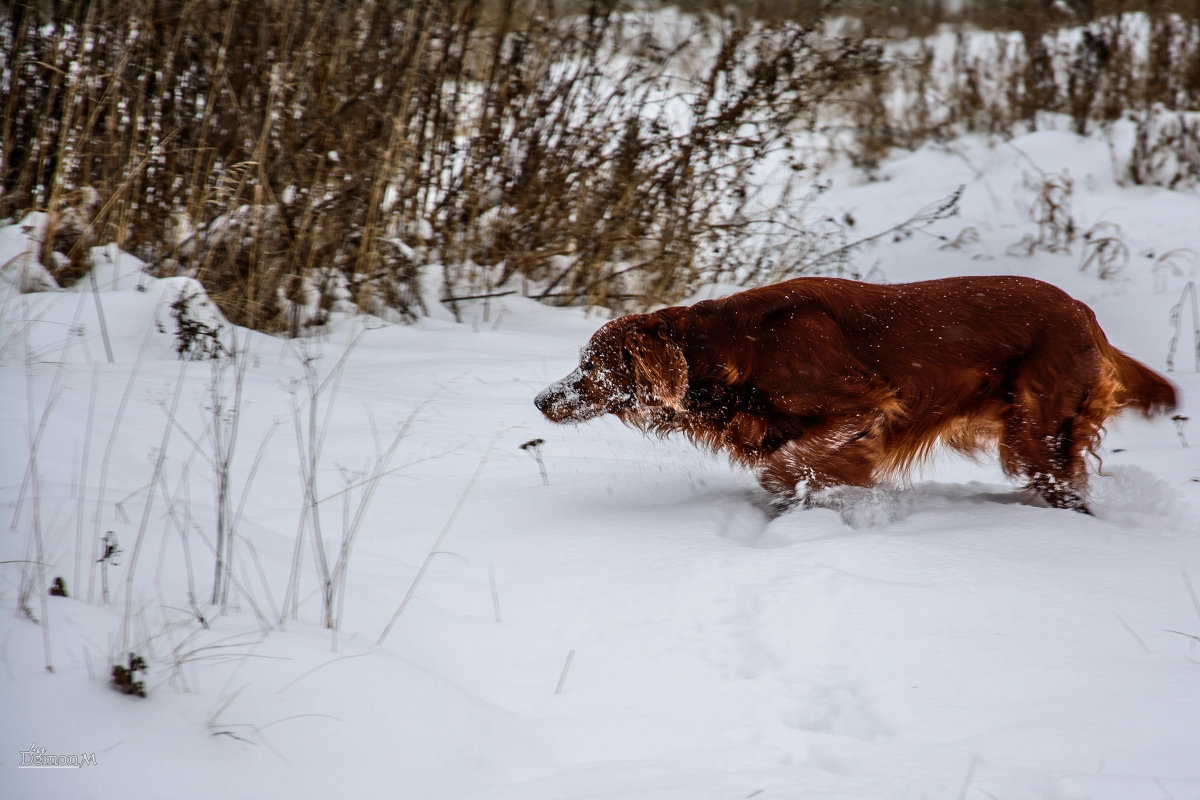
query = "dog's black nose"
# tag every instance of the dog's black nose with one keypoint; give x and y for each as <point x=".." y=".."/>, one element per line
<point x="542" y="401"/>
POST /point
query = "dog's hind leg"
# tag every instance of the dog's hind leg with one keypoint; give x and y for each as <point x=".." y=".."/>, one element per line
<point x="1047" y="446"/>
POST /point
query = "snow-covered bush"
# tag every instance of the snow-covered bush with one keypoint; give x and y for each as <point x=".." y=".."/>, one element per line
<point x="1060" y="66"/>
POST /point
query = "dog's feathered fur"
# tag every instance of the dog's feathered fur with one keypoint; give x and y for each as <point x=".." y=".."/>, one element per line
<point x="820" y="382"/>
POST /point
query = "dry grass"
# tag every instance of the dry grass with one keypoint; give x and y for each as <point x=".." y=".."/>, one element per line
<point x="1093" y="63"/>
<point x="302" y="155"/>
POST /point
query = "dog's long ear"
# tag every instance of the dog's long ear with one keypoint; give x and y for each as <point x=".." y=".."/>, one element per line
<point x="659" y="367"/>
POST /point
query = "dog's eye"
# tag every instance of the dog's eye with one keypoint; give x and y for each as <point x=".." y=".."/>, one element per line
<point x="587" y="366"/>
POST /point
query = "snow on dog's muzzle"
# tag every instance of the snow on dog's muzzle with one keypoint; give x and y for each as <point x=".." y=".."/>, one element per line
<point x="563" y="401"/>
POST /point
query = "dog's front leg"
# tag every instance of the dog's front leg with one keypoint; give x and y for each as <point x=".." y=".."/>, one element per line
<point x="825" y="456"/>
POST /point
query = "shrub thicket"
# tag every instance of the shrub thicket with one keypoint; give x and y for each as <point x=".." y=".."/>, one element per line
<point x="1067" y="59"/>
<point x="301" y="155"/>
<point x="298" y="154"/>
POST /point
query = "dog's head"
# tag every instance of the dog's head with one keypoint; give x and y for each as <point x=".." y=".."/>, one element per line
<point x="630" y="367"/>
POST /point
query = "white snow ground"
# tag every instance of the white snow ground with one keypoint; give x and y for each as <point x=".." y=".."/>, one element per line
<point x="637" y="628"/>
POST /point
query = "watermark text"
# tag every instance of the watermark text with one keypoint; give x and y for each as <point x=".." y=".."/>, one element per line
<point x="37" y="758"/>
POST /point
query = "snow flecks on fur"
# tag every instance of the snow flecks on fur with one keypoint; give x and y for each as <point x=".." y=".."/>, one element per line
<point x="564" y="397"/>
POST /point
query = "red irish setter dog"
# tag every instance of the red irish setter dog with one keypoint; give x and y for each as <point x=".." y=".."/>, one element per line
<point x="822" y="382"/>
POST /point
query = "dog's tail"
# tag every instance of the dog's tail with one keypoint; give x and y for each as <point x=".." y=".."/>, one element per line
<point x="1133" y="384"/>
<point x="1141" y="387"/>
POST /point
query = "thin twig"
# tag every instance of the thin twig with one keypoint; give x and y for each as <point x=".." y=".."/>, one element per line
<point x="108" y="451"/>
<point x="40" y="586"/>
<point x="495" y="592"/>
<point x="159" y="462"/>
<point x="562" y="679"/>
<point x="1133" y="633"/>
<point x="437" y="545"/>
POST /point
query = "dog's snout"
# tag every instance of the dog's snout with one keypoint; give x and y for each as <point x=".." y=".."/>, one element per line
<point x="565" y="401"/>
